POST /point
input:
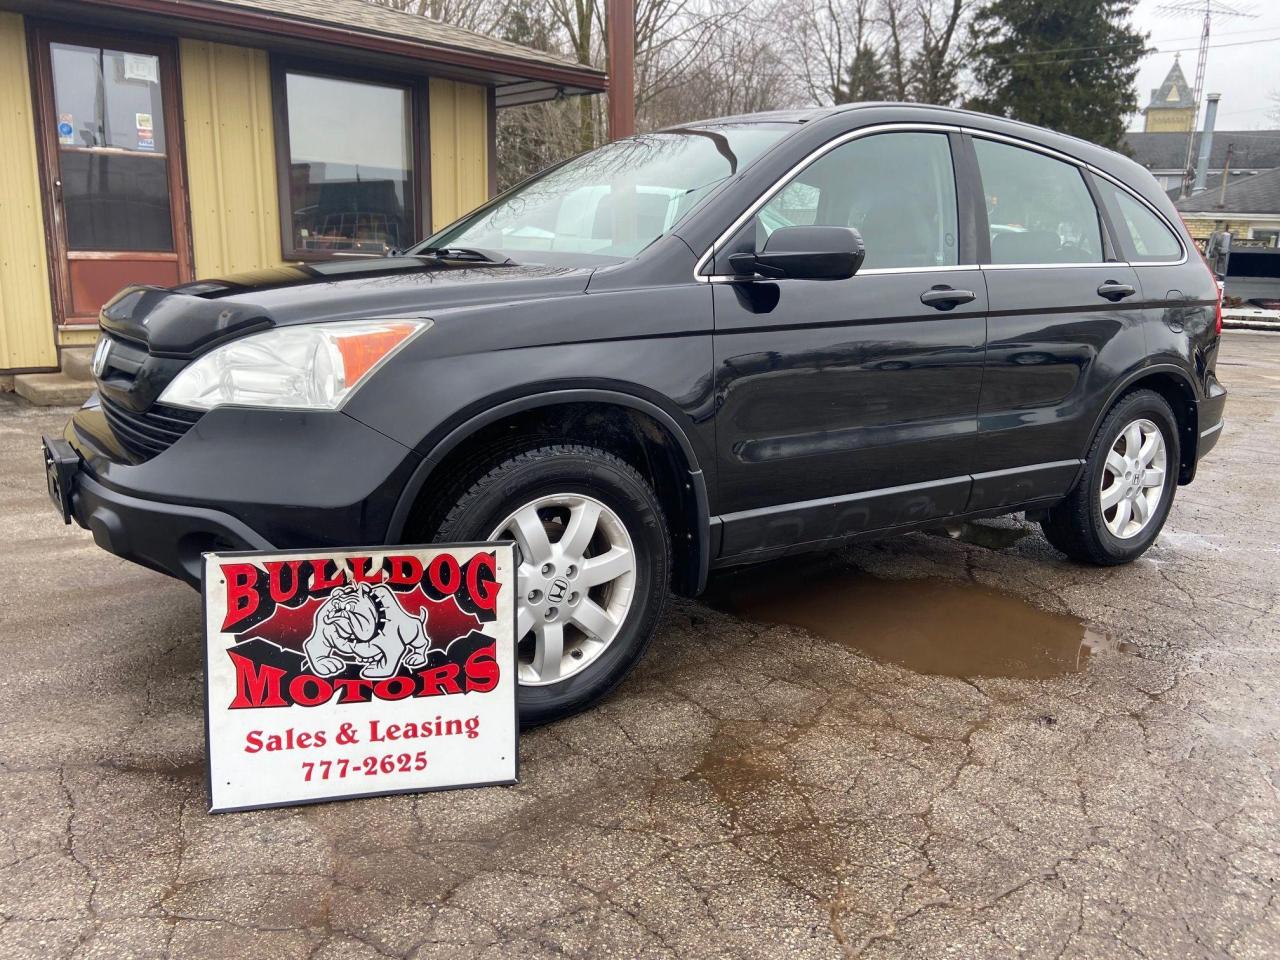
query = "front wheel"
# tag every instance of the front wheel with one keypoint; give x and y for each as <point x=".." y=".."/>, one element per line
<point x="593" y="557"/>
<point x="1120" y="504"/>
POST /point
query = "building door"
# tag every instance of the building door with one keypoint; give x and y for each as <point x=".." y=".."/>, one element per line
<point x="111" y="141"/>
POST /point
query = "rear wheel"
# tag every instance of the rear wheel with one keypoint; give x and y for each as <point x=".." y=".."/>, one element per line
<point x="593" y="558"/>
<point x="1121" y="503"/>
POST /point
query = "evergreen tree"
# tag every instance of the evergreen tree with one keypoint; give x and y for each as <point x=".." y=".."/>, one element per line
<point x="1069" y="65"/>
<point x="863" y="78"/>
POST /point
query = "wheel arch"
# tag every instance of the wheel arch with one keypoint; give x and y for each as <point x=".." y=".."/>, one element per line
<point x="675" y="467"/>
<point x="1178" y="389"/>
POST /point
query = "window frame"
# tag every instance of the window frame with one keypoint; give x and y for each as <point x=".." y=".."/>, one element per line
<point x="961" y="239"/>
<point x="419" y="91"/>
<point x="708" y="270"/>
<point x="1106" y="229"/>
<point x="1122" y="239"/>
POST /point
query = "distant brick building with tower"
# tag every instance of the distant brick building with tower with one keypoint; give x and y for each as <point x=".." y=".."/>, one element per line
<point x="1173" y="107"/>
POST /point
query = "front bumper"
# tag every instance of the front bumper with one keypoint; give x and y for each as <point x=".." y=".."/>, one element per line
<point x="166" y="537"/>
<point x="238" y="480"/>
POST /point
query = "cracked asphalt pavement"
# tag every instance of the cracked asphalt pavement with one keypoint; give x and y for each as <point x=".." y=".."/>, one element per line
<point x="754" y="790"/>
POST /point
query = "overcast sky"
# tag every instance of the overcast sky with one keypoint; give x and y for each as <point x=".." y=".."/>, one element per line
<point x="1247" y="73"/>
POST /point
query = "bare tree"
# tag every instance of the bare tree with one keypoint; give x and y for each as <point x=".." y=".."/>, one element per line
<point x="699" y="58"/>
<point x="820" y="38"/>
<point x="482" y="16"/>
<point x="738" y="69"/>
<point x="912" y="41"/>
<point x="935" y="67"/>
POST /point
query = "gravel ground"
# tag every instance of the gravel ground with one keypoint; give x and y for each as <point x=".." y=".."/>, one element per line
<point x="754" y="790"/>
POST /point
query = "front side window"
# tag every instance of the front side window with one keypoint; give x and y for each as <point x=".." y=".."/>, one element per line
<point x="613" y="202"/>
<point x="350" y="166"/>
<point x="897" y="189"/>
<point x="1145" y="237"/>
<point x="1038" y="208"/>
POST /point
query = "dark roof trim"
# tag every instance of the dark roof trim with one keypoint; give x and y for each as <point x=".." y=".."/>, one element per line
<point x="571" y="78"/>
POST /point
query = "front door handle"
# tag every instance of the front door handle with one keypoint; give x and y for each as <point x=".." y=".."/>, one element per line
<point x="943" y="297"/>
<point x="1115" y="292"/>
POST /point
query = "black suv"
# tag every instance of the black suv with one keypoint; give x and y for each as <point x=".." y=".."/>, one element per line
<point x="701" y="347"/>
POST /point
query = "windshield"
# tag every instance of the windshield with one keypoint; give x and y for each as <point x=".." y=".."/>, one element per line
<point x="614" y="201"/>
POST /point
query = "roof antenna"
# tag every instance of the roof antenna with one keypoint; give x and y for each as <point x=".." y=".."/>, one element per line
<point x="1210" y="9"/>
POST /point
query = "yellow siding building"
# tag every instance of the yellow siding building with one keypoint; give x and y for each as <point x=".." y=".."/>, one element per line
<point x="167" y="147"/>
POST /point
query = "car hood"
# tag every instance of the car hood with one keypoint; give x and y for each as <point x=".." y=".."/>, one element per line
<point x="186" y="320"/>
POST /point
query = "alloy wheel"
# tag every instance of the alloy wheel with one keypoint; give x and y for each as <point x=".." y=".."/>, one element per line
<point x="576" y="578"/>
<point x="1133" y="476"/>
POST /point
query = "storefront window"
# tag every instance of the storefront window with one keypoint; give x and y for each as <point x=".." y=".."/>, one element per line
<point x="350" y="175"/>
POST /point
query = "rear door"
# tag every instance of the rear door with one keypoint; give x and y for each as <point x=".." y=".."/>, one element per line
<point x="850" y="405"/>
<point x="1064" y="305"/>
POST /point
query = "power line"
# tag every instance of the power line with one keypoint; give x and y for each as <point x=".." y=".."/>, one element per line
<point x="1126" y="43"/>
<point x="1108" y="56"/>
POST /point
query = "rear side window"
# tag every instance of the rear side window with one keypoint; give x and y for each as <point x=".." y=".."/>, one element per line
<point x="897" y="189"/>
<point x="1143" y="235"/>
<point x="1038" y="208"/>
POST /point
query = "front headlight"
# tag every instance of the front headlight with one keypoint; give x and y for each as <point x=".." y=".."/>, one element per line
<point x="309" y="366"/>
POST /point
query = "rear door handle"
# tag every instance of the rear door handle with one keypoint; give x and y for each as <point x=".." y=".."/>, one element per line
<point x="943" y="297"/>
<point x="1115" y="292"/>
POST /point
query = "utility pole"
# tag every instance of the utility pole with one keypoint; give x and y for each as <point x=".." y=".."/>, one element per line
<point x="620" y="26"/>
<point x="1209" y="8"/>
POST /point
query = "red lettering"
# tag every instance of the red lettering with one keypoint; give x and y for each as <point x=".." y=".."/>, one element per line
<point x="353" y="689"/>
<point x="482" y="671"/>
<point x="243" y="592"/>
<point x="280" y="591"/>
<point x="256" y="686"/>
<point x="405" y="571"/>
<point x="394" y="688"/>
<point x="438" y="680"/>
<point x="319" y="582"/>
<point x="483" y="593"/>
<point x="253" y="741"/>
<point x="445" y="575"/>
<point x="360" y="570"/>
<point x="320" y="692"/>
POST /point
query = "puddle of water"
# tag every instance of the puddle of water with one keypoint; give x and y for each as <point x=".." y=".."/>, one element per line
<point x="929" y="626"/>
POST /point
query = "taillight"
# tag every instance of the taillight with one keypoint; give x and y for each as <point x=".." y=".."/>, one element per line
<point x="1219" y="286"/>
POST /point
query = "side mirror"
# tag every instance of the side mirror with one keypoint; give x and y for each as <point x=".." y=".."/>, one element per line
<point x="804" y="253"/>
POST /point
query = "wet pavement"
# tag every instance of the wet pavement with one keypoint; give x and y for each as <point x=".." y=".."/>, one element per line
<point x="925" y="747"/>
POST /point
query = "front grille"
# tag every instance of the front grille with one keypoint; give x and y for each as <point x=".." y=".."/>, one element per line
<point x="146" y="434"/>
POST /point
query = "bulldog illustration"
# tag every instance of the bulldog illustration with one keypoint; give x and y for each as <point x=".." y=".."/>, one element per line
<point x="365" y="624"/>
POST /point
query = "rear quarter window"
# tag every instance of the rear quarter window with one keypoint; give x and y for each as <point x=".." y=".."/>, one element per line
<point x="1144" y="236"/>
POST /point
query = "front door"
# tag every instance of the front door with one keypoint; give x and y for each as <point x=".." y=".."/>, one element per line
<point x="111" y="145"/>
<point x="851" y="405"/>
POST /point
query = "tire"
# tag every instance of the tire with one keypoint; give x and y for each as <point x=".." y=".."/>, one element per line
<point x="1083" y="526"/>
<point x="558" y="483"/>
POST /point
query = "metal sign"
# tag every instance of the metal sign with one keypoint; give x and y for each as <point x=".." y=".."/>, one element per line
<point x="350" y="673"/>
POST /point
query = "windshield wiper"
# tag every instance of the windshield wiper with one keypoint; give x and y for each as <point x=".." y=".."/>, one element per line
<point x="473" y="254"/>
